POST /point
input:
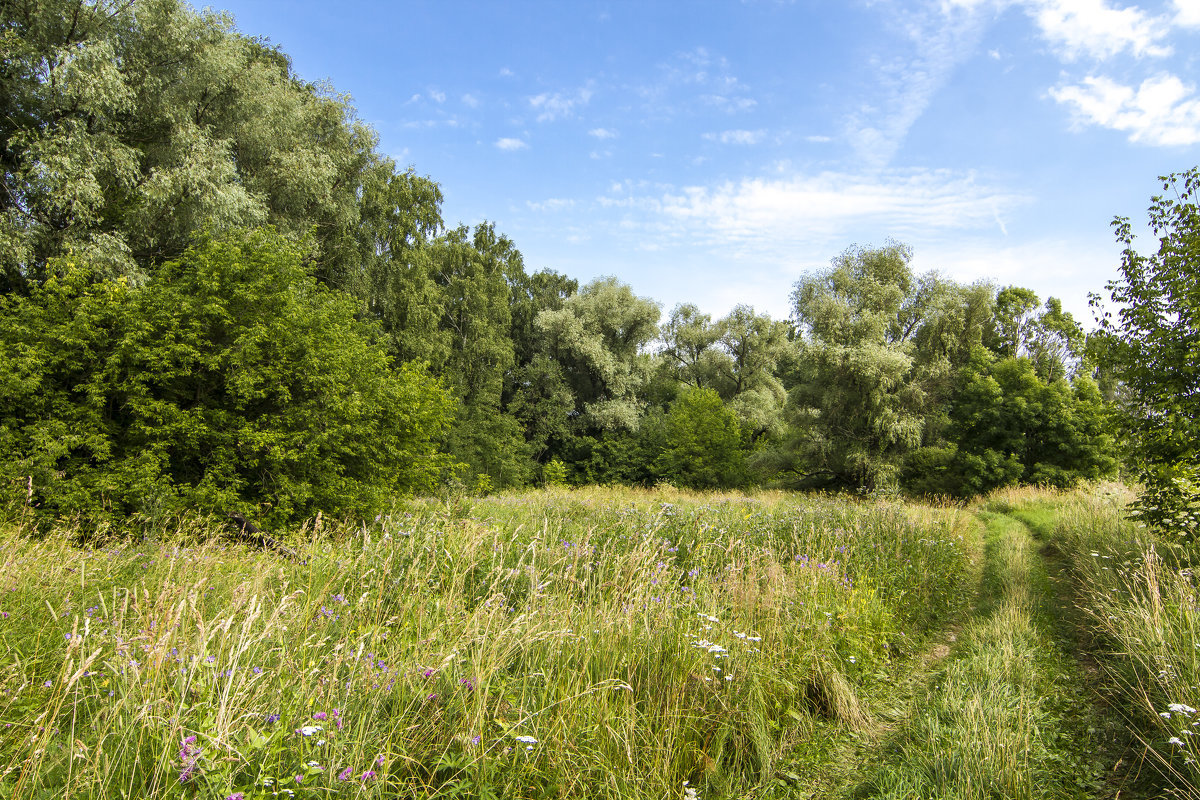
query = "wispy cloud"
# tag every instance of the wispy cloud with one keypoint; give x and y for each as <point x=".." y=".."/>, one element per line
<point x="896" y="201"/>
<point x="470" y="101"/>
<point x="603" y="133"/>
<point x="437" y="96"/>
<point x="1162" y="111"/>
<point x="552" y="204"/>
<point x="736" y="137"/>
<point x="552" y="106"/>
<point x="511" y="144"/>
<point x="694" y="77"/>
<point x="936" y="40"/>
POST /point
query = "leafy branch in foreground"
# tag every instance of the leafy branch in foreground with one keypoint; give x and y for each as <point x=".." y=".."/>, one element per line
<point x="1153" y="344"/>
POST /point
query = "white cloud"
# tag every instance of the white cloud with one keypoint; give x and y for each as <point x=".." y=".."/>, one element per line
<point x="552" y="204"/>
<point x="696" y="76"/>
<point x="736" y="137"/>
<point x="470" y="101"/>
<point x="505" y="72"/>
<point x="896" y="202"/>
<point x="1096" y="29"/>
<point x="1187" y="13"/>
<point x="554" y="106"/>
<point x="603" y="133"/>
<point x="818" y="139"/>
<point x="1162" y="111"/>
<point x="436" y="96"/>
<point x="511" y="144"/>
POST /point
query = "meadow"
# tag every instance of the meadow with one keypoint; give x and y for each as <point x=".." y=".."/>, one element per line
<point x="586" y="643"/>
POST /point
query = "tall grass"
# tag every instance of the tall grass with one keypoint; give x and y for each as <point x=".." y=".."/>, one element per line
<point x="600" y="643"/>
<point x="992" y="722"/>
<point x="1140" y="593"/>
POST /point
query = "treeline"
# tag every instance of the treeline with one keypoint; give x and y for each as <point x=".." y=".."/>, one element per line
<point x="216" y="293"/>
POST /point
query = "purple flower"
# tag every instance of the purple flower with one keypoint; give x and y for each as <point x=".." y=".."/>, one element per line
<point x="320" y="715"/>
<point x="188" y="756"/>
<point x="345" y="774"/>
<point x="366" y="776"/>
<point x="236" y="796"/>
<point x="272" y="718"/>
<point x="428" y="673"/>
<point x="299" y="779"/>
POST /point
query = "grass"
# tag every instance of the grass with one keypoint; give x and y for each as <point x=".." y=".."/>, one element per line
<point x="609" y="643"/>
<point x="1139" y="594"/>
<point x="999" y="718"/>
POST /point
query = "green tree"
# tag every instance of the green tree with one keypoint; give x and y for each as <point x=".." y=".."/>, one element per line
<point x="703" y="443"/>
<point x="1152" y="345"/>
<point x="854" y="409"/>
<point x="230" y="381"/>
<point x="598" y="337"/>
<point x="128" y="128"/>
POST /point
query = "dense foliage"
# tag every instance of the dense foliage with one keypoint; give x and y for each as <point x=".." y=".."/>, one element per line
<point x="218" y="293"/>
<point x="1152" y="345"/>
<point x="230" y="380"/>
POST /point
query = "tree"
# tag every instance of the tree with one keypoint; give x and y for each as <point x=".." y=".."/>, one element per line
<point x="128" y="128"/>
<point x="598" y="337"/>
<point x="703" y="443"/>
<point x="231" y="381"/>
<point x="854" y="408"/>
<point x="1153" y="344"/>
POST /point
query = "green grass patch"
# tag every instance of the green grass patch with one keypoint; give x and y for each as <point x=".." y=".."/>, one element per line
<point x="598" y="643"/>
<point x="1002" y="717"/>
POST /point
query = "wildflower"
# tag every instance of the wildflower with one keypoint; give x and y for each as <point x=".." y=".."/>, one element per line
<point x="236" y="796"/>
<point x="1180" y="708"/>
<point x="308" y="730"/>
<point x="527" y="740"/>
<point x="379" y="761"/>
<point x="1175" y="740"/>
<point x="188" y="756"/>
<point x="366" y="776"/>
<point x="48" y="684"/>
<point x="272" y="718"/>
<point x="299" y="779"/>
<point x="345" y="774"/>
<point x="320" y="715"/>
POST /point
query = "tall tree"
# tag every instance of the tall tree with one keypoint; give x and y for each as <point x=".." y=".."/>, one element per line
<point x="854" y="408"/>
<point x="599" y="336"/>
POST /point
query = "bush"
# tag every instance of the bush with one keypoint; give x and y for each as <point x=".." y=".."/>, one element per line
<point x="231" y="380"/>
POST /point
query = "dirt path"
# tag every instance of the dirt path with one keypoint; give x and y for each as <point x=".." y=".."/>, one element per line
<point x="1006" y="704"/>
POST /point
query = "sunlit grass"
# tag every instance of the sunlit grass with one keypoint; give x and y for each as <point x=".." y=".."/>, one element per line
<point x="570" y="643"/>
<point x="1140" y="593"/>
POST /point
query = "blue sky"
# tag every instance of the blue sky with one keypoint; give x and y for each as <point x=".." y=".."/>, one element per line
<point x="712" y="152"/>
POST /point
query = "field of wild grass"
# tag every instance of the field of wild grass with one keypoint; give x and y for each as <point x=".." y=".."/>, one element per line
<point x="586" y="643"/>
